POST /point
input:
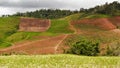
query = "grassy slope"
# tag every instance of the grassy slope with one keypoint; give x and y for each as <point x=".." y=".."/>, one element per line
<point x="58" y="61"/>
<point x="8" y="26"/>
<point x="73" y="17"/>
<point x="83" y="16"/>
<point x="79" y="16"/>
<point x="60" y="26"/>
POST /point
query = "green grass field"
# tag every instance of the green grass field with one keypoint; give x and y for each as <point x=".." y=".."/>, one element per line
<point x="60" y="26"/>
<point x="58" y="61"/>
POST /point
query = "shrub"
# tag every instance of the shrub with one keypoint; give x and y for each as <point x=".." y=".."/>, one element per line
<point x="84" y="47"/>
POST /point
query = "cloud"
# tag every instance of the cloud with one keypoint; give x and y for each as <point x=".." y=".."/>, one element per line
<point x="51" y="3"/>
<point x="12" y="6"/>
<point x="32" y="3"/>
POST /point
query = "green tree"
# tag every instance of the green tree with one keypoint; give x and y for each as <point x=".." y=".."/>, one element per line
<point x="84" y="47"/>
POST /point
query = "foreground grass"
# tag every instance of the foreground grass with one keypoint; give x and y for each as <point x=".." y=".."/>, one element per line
<point x="58" y="61"/>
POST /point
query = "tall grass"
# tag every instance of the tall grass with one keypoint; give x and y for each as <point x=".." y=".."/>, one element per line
<point x="58" y="61"/>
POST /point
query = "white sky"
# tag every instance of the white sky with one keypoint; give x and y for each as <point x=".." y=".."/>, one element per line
<point x="13" y="6"/>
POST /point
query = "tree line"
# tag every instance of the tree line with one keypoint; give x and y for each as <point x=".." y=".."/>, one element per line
<point x="108" y="8"/>
<point x="47" y="13"/>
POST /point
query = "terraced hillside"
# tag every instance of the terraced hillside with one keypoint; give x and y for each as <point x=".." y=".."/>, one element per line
<point x="91" y="26"/>
<point x="34" y="24"/>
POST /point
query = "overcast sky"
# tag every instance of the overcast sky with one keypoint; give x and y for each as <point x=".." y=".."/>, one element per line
<point x="13" y="6"/>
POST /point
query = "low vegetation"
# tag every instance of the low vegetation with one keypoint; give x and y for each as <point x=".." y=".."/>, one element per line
<point x="58" y="61"/>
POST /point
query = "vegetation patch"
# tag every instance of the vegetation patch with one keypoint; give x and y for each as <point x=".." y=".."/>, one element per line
<point x="58" y="61"/>
<point x="84" y="47"/>
<point x="60" y="26"/>
<point x="8" y="26"/>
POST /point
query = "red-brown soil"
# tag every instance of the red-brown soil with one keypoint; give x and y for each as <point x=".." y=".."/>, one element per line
<point x="103" y="48"/>
<point x="103" y="23"/>
<point x="115" y="20"/>
<point x="116" y="31"/>
<point x="34" y="24"/>
<point x="46" y="46"/>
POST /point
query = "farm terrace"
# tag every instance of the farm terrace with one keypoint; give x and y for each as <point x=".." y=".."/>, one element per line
<point x="103" y="23"/>
<point x="34" y="24"/>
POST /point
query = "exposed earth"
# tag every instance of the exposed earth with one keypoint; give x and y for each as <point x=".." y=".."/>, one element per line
<point x="45" y="46"/>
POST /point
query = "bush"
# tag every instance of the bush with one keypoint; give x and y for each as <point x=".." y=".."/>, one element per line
<point x="84" y="47"/>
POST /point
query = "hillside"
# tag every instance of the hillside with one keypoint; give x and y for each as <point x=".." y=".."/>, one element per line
<point x="10" y="34"/>
<point x="90" y="26"/>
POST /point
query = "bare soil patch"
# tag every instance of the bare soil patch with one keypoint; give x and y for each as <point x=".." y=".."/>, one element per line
<point x="34" y="24"/>
<point x="115" y="20"/>
<point x="116" y="31"/>
<point x="103" y="23"/>
<point x="46" y="46"/>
